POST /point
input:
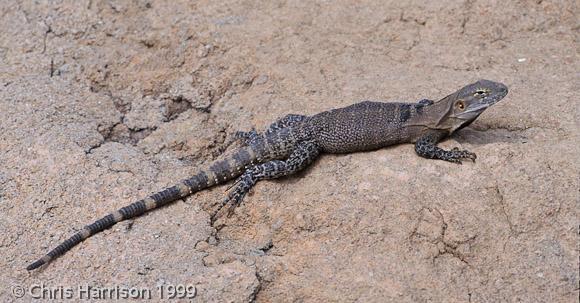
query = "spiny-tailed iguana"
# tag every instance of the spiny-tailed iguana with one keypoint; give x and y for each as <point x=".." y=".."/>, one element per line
<point x="293" y="142"/>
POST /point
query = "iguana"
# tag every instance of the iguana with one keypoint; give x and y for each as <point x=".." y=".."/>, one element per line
<point x="295" y="141"/>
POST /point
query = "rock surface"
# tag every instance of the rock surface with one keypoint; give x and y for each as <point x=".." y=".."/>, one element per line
<point x="104" y="102"/>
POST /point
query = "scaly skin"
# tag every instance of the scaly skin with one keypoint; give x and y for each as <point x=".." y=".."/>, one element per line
<point x="295" y="141"/>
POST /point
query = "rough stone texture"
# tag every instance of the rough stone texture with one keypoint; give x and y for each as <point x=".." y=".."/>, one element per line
<point x="103" y="102"/>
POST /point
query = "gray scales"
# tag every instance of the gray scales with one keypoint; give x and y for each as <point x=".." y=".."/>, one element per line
<point x="295" y="141"/>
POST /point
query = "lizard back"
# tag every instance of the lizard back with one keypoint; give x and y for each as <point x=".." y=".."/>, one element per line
<point x="364" y="126"/>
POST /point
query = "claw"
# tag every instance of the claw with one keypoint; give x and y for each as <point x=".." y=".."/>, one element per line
<point x="472" y="158"/>
<point x="469" y="155"/>
<point x="231" y="210"/>
<point x="225" y="202"/>
<point x="236" y="192"/>
<point x="236" y="182"/>
<point x="215" y="215"/>
<point x="234" y="200"/>
<point x="231" y="195"/>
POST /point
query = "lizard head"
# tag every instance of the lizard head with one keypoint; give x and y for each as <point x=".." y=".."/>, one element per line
<point x="465" y="105"/>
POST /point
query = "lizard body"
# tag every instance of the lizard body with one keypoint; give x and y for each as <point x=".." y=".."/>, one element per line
<point x="295" y="141"/>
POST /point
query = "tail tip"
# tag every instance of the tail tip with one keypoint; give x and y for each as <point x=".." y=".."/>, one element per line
<point x="35" y="265"/>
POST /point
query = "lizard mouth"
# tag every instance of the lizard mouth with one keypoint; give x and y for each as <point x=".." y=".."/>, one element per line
<point x="473" y="111"/>
<point x="477" y="108"/>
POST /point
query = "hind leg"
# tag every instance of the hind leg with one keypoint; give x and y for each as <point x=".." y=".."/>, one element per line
<point x="304" y="154"/>
<point x="287" y="121"/>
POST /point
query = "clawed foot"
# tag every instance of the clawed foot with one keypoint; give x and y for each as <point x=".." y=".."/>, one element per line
<point x="456" y="155"/>
<point x="236" y="193"/>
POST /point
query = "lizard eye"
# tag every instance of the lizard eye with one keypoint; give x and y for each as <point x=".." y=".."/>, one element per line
<point x="480" y="93"/>
<point x="460" y="105"/>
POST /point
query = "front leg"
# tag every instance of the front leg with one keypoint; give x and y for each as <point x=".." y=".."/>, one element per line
<point x="426" y="147"/>
<point x="302" y="156"/>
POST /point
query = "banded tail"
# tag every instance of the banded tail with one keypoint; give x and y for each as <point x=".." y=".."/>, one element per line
<point x="217" y="173"/>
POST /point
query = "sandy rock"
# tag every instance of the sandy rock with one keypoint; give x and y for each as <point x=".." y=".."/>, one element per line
<point x="105" y="102"/>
